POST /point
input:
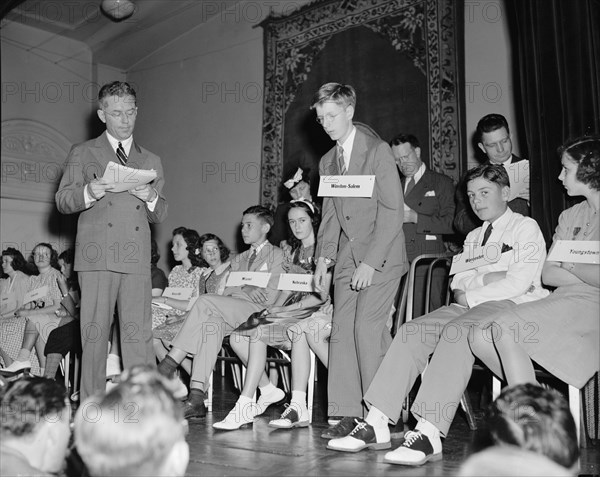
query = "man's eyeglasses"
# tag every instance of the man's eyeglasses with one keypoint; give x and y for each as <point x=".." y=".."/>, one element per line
<point x="130" y="113"/>
<point x="328" y="117"/>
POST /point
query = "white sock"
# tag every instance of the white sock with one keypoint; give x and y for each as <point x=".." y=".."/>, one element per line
<point x="428" y="429"/>
<point x="24" y="355"/>
<point x="299" y="397"/>
<point x="377" y="418"/>
<point x="268" y="389"/>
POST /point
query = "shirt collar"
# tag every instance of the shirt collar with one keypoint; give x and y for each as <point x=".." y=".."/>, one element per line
<point x="258" y="248"/>
<point x="348" y="144"/>
<point x="126" y="143"/>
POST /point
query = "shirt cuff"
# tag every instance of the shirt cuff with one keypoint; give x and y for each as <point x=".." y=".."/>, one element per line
<point x="87" y="198"/>
<point x="152" y="204"/>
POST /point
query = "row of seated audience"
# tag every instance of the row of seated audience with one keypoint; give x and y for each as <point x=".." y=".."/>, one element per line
<point x="531" y="429"/>
<point x="489" y="302"/>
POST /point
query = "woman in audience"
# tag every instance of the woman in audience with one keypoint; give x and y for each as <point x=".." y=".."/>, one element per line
<point x="186" y="249"/>
<point x="67" y="336"/>
<point x="40" y="314"/>
<point x="13" y="287"/>
<point x="559" y="332"/>
<point x="213" y="277"/>
<point x="298" y="323"/>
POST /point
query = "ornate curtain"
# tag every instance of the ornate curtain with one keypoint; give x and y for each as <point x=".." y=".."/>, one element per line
<point x="404" y="58"/>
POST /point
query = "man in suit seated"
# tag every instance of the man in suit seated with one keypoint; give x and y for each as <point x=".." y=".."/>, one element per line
<point x="493" y="138"/>
<point x="508" y="273"/>
<point x="213" y="317"/>
<point x="428" y="214"/>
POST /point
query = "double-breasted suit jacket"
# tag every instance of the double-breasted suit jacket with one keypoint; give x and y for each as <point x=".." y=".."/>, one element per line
<point x="432" y="198"/>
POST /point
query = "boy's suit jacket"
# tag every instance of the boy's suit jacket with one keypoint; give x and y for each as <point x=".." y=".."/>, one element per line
<point x="365" y="229"/>
<point x="269" y="259"/>
<point x="433" y="199"/>
<point x="114" y="233"/>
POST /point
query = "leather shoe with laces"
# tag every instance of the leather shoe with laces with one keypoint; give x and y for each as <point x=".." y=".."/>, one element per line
<point x="291" y="417"/>
<point x="191" y="411"/>
<point x="341" y="429"/>
<point x="277" y="396"/>
<point x="363" y="436"/>
<point x="416" y="449"/>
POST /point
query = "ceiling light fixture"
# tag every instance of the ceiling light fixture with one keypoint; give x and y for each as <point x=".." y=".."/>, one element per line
<point x="118" y="9"/>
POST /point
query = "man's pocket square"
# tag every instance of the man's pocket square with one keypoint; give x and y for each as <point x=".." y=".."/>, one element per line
<point x="264" y="268"/>
<point x="430" y="193"/>
<point x="506" y="248"/>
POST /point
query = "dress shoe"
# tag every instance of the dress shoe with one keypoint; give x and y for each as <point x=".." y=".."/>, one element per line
<point x="341" y="429"/>
<point x="241" y="415"/>
<point x="191" y="411"/>
<point x="17" y="366"/>
<point x="363" y="436"/>
<point x="416" y="449"/>
<point x="277" y="396"/>
<point x="295" y="415"/>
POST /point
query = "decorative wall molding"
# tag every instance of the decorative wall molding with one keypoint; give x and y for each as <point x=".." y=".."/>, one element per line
<point x="32" y="159"/>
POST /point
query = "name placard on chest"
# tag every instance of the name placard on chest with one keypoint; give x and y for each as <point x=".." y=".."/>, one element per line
<point x="575" y="251"/>
<point x="346" y="186"/>
<point x="474" y="257"/>
<point x="257" y="279"/>
<point x="296" y="282"/>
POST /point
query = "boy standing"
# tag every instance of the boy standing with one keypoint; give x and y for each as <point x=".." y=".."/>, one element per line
<point x="363" y="237"/>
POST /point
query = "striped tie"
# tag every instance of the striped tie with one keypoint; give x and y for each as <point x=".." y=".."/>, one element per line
<point x="341" y="162"/>
<point x="121" y="154"/>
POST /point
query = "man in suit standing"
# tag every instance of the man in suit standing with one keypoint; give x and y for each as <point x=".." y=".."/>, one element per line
<point x="112" y="249"/>
<point x="428" y="214"/>
<point x="493" y="138"/>
<point x="363" y="237"/>
<point x="213" y="317"/>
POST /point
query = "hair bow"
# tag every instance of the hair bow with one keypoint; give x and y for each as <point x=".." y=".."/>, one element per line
<point x="294" y="180"/>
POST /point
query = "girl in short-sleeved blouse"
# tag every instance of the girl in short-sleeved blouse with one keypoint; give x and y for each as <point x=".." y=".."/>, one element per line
<point x="559" y="332"/>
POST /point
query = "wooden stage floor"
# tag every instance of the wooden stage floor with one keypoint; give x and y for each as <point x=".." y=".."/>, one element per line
<point x="259" y="450"/>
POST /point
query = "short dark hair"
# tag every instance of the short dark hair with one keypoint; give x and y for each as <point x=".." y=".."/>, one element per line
<point x="536" y="419"/>
<point x="154" y="252"/>
<point x="342" y="94"/>
<point x="27" y="402"/>
<point x="192" y="242"/>
<point x="262" y="213"/>
<point x="67" y="256"/>
<point x="116" y="88"/>
<point x="18" y="261"/>
<point x="585" y="152"/>
<point x="495" y="173"/>
<point x="224" y="252"/>
<point x="489" y="123"/>
<point x="405" y="138"/>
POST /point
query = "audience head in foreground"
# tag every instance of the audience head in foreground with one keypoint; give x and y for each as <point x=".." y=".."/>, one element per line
<point x="34" y="427"/>
<point x="136" y="429"/>
<point x="535" y="419"/>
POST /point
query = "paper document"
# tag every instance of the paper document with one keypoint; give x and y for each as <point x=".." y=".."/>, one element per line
<point x="124" y="178"/>
<point x="518" y="174"/>
<point x="36" y="294"/>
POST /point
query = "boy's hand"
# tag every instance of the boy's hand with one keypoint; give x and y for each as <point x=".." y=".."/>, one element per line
<point x="362" y="277"/>
<point x="257" y="295"/>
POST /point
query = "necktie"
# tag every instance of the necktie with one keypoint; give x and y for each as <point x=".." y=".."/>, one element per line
<point x="486" y="235"/>
<point x="121" y="154"/>
<point x="252" y="258"/>
<point x="409" y="186"/>
<point x="341" y="162"/>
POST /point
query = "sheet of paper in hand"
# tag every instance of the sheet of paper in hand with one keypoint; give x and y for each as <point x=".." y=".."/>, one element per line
<point x="124" y="178"/>
<point x="346" y="186"/>
<point x="575" y="251"/>
<point x="518" y="174"/>
<point x="36" y="294"/>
